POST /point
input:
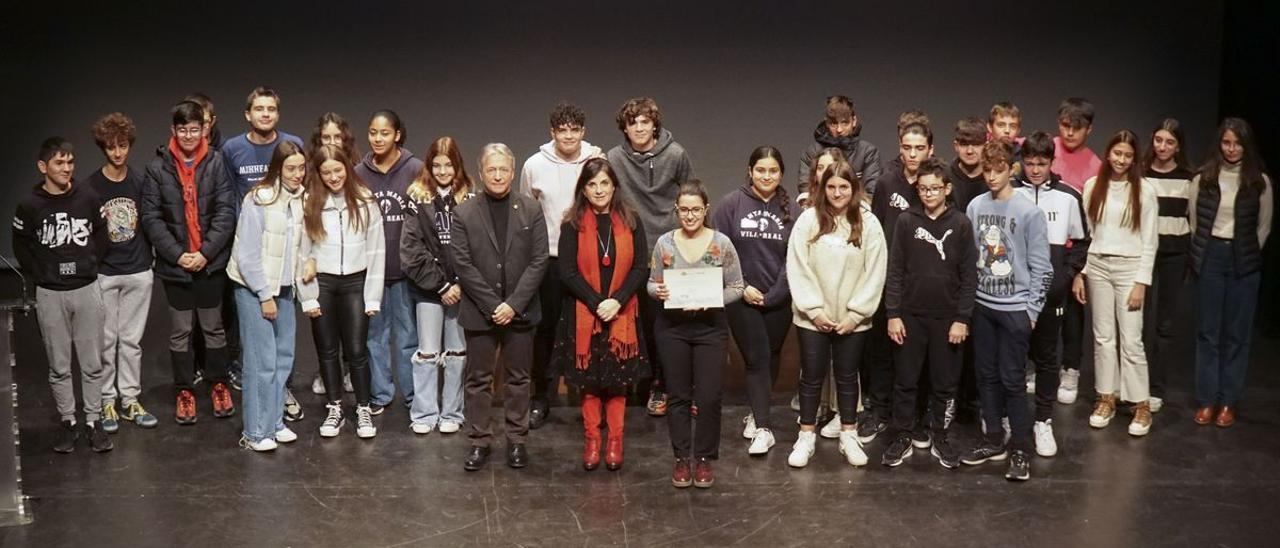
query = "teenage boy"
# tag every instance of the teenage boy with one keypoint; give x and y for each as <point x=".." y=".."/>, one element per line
<point x="1068" y="245"/>
<point x="650" y="166"/>
<point x="59" y="236"/>
<point x="897" y="194"/>
<point x="966" y="171"/>
<point x="1014" y="273"/>
<point x="929" y="314"/>
<point x="124" y="274"/>
<point x="549" y="176"/>
<point x="188" y="215"/>
<point x="1074" y="163"/>
<point x="840" y="129"/>
<point x="1005" y="122"/>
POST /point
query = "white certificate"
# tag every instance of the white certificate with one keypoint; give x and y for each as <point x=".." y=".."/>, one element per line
<point x="694" y="287"/>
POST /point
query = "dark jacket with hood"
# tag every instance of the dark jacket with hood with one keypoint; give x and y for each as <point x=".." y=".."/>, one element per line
<point x="759" y="231"/>
<point x="391" y="190"/>
<point x="931" y="267"/>
<point x="963" y="187"/>
<point x="650" y="181"/>
<point x="426" y="253"/>
<point x="863" y="156"/>
<point x="164" y="217"/>
<point x="60" y="238"/>
<point x="895" y="197"/>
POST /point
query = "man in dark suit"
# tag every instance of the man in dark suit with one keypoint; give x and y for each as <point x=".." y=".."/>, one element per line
<point x="499" y="243"/>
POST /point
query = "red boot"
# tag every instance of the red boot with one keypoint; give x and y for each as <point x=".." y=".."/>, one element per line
<point x="591" y="431"/>
<point x="615" y="414"/>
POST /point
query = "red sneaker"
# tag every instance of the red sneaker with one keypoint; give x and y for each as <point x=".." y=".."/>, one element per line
<point x="185" y="410"/>
<point x="703" y="476"/>
<point x="223" y="407"/>
<point x="681" y="476"/>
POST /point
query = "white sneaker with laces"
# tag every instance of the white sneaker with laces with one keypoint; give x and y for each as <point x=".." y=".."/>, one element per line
<point x="851" y="448"/>
<point x="449" y="427"/>
<point x="1046" y="446"/>
<point x="317" y="386"/>
<point x="333" y="421"/>
<point x="749" y="428"/>
<point x="802" y="451"/>
<point x="420" y="428"/>
<point x="261" y="446"/>
<point x="364" y="422"/>
<point x="831" y="430"/>
<point x="761" y="443"/>
<point x="1069" y="386"/>
<point x="285" y="435"/>
<point x="1155" y="403"/>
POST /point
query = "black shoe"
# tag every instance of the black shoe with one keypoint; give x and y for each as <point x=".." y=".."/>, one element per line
<point x="539" y="410"/>
<point x="67" y="436"/>
<point x="233" y="380"/>
<point x="1019" y="467"/>
<point x="920" y="439"/>
<point x="99" y="441"/>
<point x="869" y="426"/>
<point x="898" y="450"/>
<point x="476" y="459"/>
<point x="375" y="409"/>
<point x="985" y="451"/>
<point x="517" y="456"/>
<point x="947" y="455"/>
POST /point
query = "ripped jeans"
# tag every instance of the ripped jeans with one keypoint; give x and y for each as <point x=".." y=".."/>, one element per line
<point x="440" y="346"/>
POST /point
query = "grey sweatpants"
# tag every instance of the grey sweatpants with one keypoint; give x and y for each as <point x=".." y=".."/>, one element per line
<point x="73" y="319"/>
<point x="128" y="299"/>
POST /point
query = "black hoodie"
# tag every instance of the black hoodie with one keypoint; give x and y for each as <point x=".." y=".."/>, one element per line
<point x="965" y="188"/>
<point x="59" y="238"/>
<point x="931" y="266"/>
<point x="895" y="197"/>
<point x="864" y="157"/>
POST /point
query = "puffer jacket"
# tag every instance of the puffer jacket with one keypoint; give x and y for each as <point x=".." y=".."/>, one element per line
<point x="164" y="220"/>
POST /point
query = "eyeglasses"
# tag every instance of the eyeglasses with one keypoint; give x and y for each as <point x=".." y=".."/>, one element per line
<point x="189" y="131"/>
<point x="930" y="190"/>
<point x="690" y="211"/>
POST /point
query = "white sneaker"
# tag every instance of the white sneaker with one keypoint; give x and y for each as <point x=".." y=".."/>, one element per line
<point x="761" y="443"/>
<point x="364" y="422"/>
<point x="802" y="451"/>
<point x="1155" y="403"/>
<point x="851" y="448"/>
<point x="449" y="427"/>
<point x="1069" y="386"/>
<point x="346" y="383"/>
<point x="1031" y="382"/>
<point x="261" y="446"/>
<point x="420" y="428"/>
<point x="1046" y="446"/>
<point x="317" y="386"/>
<point x="795" y="403"/>
<point x="831" y="430"/>
<point x="333" y="422"/>
<point x="285" y="435"/>
<point x="749" y="430"/>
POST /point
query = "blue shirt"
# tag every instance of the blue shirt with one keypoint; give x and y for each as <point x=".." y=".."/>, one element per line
<point x="248" y="162"/>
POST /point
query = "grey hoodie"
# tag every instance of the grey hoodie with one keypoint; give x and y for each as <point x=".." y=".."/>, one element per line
<point x="650" y="181"/>
<point x="391" y="190"/>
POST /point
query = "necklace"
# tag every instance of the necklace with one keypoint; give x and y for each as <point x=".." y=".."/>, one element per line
<point x="605" y="247"/>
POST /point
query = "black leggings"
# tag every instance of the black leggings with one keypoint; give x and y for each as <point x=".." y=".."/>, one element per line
<point x="343" y="322"/>
<point x="693" y="350"/>
<point x="759" y="334"/>
<point x="820" y="351"/>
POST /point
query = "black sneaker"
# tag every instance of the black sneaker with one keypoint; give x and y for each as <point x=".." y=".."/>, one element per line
<point x="233" y="380"/>
<point x="984" y="452"/>
<point x="947" y="455"/>
<point x="99" y="441"/>
<point x="920" y="439"/>
<point x="539" y="409"/>
<point x="868" y="427"/>
<point x="67" y="436"/>
<point x="375" y="409"/>
<point x="1019" y="467"/>
<point x="898" y="450"/>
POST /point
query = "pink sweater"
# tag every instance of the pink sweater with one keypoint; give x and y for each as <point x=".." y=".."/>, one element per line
<point x="1074" y="167"/>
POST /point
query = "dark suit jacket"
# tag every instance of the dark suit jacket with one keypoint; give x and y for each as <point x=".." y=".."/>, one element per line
<point x="484" y="270"/>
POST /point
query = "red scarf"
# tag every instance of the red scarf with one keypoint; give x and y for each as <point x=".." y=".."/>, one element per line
<point x="623" y="342"/>
<point x="187" y="176"/>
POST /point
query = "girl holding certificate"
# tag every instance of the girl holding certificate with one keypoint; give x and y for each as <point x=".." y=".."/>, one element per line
<point x="695" y="339"/>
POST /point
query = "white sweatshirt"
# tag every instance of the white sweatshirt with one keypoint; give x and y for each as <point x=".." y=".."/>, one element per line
<point x="831" y="275"/>
<point x="550" y="180"/>
<point x="346" y="251"/>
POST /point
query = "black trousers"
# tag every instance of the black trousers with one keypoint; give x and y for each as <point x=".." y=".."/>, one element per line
<point x="1072" y="333"/>
<point x="1000" y="343"/>
<point x="877" y="374"/>
<point x="926" y="343"/>
<point x="759" y="334"/>
<point x="550" y="294"/>
<point x="509" y="347"/>
<point x="650" y="309"/>
<point x="1160" y="314"/>
<point x="1044" y="354"/>
<point x="820" y="352"/>
<point x="693" y="350"/>
<point x="344" y="326"/>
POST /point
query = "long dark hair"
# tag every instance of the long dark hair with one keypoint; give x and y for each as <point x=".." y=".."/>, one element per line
<point x="348" y="138"/>
<point x="1102" y="184"/>
<point x="827" y="217"/>
<point x="581" y="206"/>
<point x="1174" y="127"/>
<point x="761" y="153"/>
<point x="354" y="192"/>
<point x="693" y="187"/>
<point x="1251" y="165"/>
<point x="282" y="152"/>
<point x="835" y="154"/>
<point x="425" y="188"/>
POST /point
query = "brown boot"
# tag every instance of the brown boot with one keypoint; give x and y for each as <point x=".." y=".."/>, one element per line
<point x="1141" y="423"/>
<point x="1103" y="411"/>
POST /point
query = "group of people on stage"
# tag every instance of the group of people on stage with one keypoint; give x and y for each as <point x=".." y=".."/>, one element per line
<point x="919" y="289"/>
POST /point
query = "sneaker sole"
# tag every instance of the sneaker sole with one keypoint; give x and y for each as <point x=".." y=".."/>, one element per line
<point x="110" y="429"/>
<point x="864" y="459"/>
<point x="945" y="464"/>
<point x="1047" y="454"/>
<point x="326" y="435"/>
<point x="996" y="458"/>
<point x="294" y="418"/>
<point x="1017" y="478"/>
<point x="1100" y="423"/>
<point x="894" y="463"/>
<point x="366" y="435"/>
<point x="867" y="439"/>
<point x="760" y="453"/>
<point x="1065" y="400"/>
<point x="682" y="484"/>
<point x="704" y="484"/>
<point x="185" y="422"/>
<point x="922" y="445"/>
<point x="801" y="465"/>
<point x="1138" y="433"/>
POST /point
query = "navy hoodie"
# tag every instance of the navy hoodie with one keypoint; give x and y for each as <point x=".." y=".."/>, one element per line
<point x="759" y="231"/>
<point x="391" y="190"/>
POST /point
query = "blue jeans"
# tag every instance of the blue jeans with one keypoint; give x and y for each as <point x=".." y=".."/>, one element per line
<point x="394" y="323"/>
<point x="268" y="360"/>
<point x="1227" y="303"/>
<point x="440" y="344"/>
<point x="1000" y="343"/>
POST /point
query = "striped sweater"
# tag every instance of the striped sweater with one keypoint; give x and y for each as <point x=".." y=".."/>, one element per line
<point x="1173" y="191"/>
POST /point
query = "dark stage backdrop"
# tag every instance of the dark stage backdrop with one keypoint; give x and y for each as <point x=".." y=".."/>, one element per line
<point x="728" y="75"/>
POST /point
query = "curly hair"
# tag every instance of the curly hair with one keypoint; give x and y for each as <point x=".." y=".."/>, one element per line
<point x="113" y="128"/>
<point x="639" y="106"/>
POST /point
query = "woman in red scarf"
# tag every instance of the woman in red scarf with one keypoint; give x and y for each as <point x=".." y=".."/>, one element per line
<point x="599" y="343"/>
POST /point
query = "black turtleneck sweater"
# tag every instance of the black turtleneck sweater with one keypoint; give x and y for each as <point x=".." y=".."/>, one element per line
<point x="500" y="211"/>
